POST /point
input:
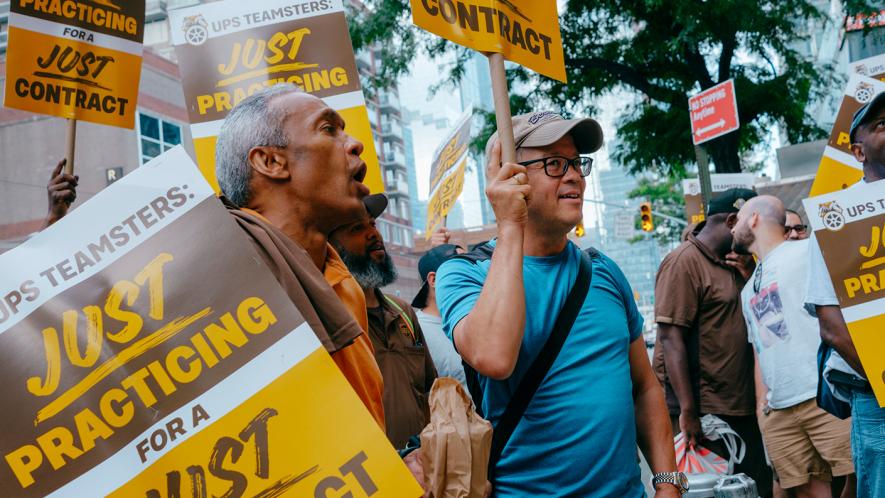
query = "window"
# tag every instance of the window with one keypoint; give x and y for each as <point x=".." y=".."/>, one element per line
<point x="155" y="136"/>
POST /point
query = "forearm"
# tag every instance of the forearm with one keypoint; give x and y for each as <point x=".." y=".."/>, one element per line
<point x="489" y="337"/>
<point x="834" y="332"/>
<point x="676" y="361"/>
<point x="653" y="431"/>
<point x="761" y="388"/>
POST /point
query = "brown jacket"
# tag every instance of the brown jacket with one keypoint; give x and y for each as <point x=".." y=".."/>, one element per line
<point x="406" y="367"/>
<point x="301" y="279"/>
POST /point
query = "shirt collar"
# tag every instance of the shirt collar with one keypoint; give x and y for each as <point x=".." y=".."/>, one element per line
<point x="706" y="251"/>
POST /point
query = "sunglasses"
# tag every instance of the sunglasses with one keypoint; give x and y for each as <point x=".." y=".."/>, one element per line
<point x="557" y="166"/>
<point x="800" y="229"/>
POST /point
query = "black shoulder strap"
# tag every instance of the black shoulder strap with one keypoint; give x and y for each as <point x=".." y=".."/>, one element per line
<point x="539" y="368"/>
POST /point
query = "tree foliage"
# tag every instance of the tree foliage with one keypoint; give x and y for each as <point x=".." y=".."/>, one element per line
<point x="656" y="53"/>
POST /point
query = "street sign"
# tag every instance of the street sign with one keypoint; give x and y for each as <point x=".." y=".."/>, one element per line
<point x="713" y="112"/>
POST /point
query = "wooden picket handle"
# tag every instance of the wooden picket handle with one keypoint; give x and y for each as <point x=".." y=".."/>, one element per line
<point x="502" y="107"/>
<point x="71" y="146"/>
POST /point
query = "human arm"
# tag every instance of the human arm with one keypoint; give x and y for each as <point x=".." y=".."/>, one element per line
<point x="834" y="332"/>
<point x="761" y="388"/>
<point x="440" y="236"/>
<point x="653" y="432"/>
<point x="62" y="192"/>
<point x="676" y="361"/>
<point x="490" y="336"/>
<point x="744" y="264"/>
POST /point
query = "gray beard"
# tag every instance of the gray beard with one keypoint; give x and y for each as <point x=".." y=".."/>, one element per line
<point x="368" y="273"/>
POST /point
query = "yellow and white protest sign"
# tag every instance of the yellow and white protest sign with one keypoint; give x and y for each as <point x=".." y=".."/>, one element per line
<point x="838" y="168"/>
<point x="228" y="50"/>
<point x="75" y="59"/>
<point x="524" y="31"/>
<point x="850" y="229"/>
<point x="447" y="172"/>
<point x="141" y="360"/>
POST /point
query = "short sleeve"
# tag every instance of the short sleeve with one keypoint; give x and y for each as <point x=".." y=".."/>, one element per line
<point x="819" y="289"/>
<point x="676" y="291"/>
<point x="634" y="318"/>
<point x="458" y="285"/>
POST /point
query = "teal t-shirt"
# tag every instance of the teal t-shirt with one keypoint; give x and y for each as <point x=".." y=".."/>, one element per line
<point x="578" y="434"/>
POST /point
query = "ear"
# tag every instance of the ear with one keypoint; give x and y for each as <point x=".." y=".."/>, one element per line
<point x="431" y="279"/>
<point x="270" y="162"/>
<point x="857" y="150"/>
<point x="731" y="220"/>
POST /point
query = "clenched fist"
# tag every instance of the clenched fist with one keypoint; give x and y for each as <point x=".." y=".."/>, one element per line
<point x="62" y="192"/>
<point x="507" y="189"/>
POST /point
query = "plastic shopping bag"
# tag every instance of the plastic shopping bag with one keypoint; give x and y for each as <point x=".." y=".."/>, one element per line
<point x="697" y="459"/>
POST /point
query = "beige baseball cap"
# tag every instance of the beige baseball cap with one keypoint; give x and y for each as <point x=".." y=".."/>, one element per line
<point x="540" y="129"/>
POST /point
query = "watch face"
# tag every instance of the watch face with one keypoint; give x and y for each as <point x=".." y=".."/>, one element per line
<point x="682" y="480"/>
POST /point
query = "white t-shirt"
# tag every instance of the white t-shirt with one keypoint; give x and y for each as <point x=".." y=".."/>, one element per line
<point x="820" y="292"/>
<point x="446" y="359"/>
<point x="785" y="336"/>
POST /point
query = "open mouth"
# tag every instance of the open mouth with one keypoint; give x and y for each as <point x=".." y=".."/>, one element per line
<point x="379" y="247"/>
<point x="570" y="196"/>
<point x="361" y="172"/>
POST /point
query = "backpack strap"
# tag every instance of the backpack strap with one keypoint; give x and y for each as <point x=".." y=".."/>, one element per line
<point x="539" y="368"/>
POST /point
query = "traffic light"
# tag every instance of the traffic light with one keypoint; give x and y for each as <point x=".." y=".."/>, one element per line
<point x="645" y="217"/>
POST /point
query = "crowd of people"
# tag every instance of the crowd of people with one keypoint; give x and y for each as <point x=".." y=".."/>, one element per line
<point x="546" y="337"/>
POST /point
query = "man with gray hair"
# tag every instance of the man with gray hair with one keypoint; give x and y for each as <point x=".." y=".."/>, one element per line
<point x="291" y="175"/>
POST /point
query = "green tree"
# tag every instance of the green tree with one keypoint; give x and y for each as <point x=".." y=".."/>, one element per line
<point x="657" y="53"/>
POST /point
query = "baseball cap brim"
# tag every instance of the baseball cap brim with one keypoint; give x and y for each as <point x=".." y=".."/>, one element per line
<point x="420" y="300"/>
<point x="586" y="133"/>
<point x="865" y="112"/>
<point x="375" y="204"/>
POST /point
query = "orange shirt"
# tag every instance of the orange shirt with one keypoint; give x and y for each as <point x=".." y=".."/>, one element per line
<point x="357" y="361"/>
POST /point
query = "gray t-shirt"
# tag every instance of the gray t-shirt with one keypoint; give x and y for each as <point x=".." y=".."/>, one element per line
<point x="446" y="359"/>
<point x="820" y="292"/>
<point x="785" y="336"/>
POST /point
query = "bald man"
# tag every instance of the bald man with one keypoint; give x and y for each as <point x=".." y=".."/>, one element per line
<point x="807" y="445"/>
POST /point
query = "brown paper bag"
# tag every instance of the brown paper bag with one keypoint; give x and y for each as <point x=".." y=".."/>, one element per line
<point x="455" y="445"/>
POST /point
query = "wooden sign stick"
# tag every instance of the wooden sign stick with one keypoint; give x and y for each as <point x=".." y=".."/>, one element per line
<point x="502" y="107"/>
<point x="71" y="146"/>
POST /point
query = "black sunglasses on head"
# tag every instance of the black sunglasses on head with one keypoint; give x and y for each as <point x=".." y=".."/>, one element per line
<point x="557" y="166"/>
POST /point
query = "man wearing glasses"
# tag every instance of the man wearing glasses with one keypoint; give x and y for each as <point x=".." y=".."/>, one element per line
<point x="579" y="431"/>
<point x="794" y="228"/>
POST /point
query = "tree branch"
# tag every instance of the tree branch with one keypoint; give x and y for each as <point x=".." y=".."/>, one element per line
<point x="698" y="66"/>
<point x="630" y="76"/>
<point x="729" y="43"/>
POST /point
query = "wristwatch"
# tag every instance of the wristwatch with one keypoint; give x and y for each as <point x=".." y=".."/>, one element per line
<point x="677" y="479"/>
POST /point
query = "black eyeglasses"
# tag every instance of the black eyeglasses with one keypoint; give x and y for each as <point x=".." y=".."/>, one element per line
<point x="557" y="166"/>
<point x="800" y="229"/>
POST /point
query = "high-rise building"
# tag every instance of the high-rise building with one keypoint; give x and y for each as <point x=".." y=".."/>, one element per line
<point x="638" y="260"/>
<point x="476" y="91"/>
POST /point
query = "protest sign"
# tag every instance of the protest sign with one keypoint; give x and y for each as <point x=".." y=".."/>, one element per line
<point x="228" y="50"/>
<point x="146" y="351"/>
<point x="524" y="31"/>
<point x="691" y="188"/>
<point x="75" y="59"/>
<point x="850" y="228"/>
<point x="447" y="173"/>
<point x="838" y="167"/>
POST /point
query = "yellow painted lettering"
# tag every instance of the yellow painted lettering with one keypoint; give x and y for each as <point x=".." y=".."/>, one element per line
<point x="120" y="291"/>
<point x="173" y="364"/>
<point x="90" y="428"/>
<point x="58" y="443"/>
<point x="852" y="285"/>
<point x="53" y="366"/>
<point x="116" y="408"/>
<point x="255" y="315"/>
<point x="23" y="462"/>
<point x="153" y="274"/>
<point x="94" y="336"/>
<point x="228" y="333"/>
